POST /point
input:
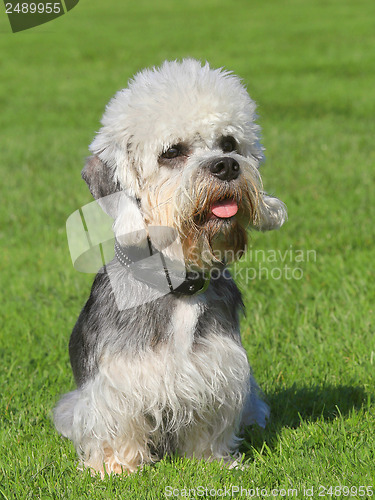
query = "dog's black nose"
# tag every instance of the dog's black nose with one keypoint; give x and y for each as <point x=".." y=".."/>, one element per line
<point x="225" y="169"/>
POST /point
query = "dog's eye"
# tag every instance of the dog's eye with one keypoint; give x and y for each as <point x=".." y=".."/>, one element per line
<point x="172" y="152"/>
<point x="228" y="144"/>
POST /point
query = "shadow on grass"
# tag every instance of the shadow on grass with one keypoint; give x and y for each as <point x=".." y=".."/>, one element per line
<point x="290" y="406"/>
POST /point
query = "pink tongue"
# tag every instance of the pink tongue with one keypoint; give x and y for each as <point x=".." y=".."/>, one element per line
<point x="224" y="209"/>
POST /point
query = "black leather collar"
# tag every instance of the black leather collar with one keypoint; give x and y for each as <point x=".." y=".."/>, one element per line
<point x="195" y="281"/>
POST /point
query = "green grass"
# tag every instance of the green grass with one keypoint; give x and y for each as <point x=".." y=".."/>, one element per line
<point x="311" y="67"/>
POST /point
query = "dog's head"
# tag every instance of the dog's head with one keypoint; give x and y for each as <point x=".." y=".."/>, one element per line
<point x="182" y="141"/>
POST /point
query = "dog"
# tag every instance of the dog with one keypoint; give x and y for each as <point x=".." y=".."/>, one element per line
<point x="156" y="352"/>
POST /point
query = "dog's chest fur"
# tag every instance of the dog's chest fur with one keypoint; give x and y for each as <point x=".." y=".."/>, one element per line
<point x="167" y="363"/>
<point x="181" y="323"/>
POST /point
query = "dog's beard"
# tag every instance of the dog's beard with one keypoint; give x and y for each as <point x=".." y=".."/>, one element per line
<point x="214" y="242"/>
<point x="206" y="238"/>
<point x="186" y="205"/>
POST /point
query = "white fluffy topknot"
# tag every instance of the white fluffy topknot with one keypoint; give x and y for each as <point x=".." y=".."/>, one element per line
<point x="170" y="103"/>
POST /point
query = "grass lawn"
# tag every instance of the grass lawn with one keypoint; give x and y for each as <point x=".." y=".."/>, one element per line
<point x="310" y="65"/>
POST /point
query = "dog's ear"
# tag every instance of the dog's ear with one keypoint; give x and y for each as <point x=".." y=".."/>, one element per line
<point x="99" y="178"/>
<point x="102" y="184"/>
<point x="271" y="213"/>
